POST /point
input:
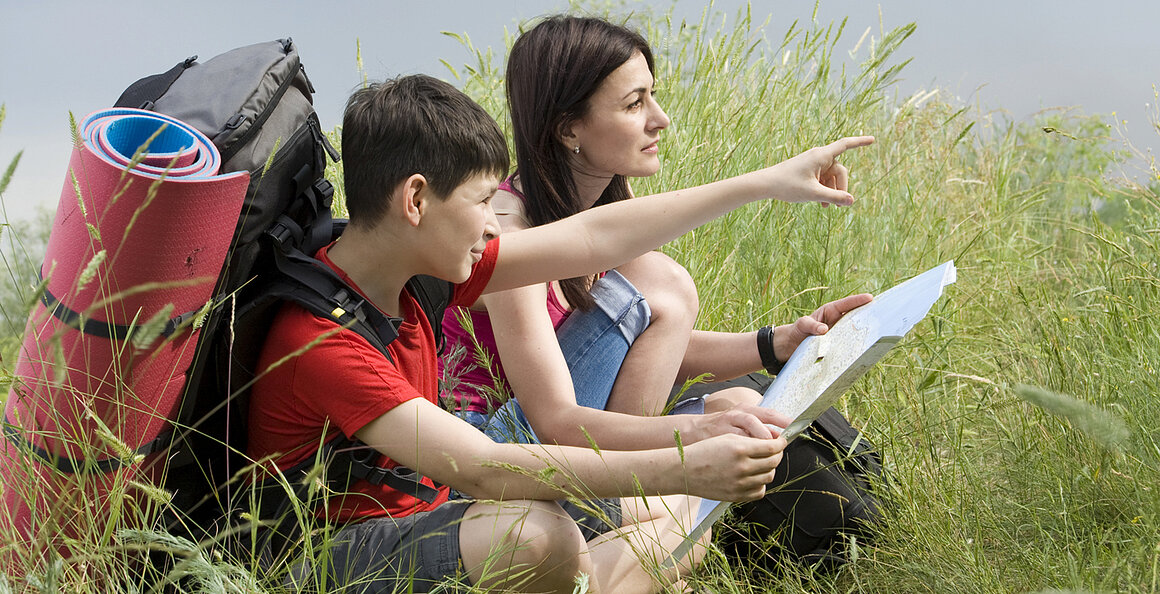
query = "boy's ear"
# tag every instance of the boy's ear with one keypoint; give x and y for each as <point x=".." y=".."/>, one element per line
<point x="414" y="194"/>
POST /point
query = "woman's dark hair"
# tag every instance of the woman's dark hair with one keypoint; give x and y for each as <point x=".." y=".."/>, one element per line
<point x="552" y="71"/>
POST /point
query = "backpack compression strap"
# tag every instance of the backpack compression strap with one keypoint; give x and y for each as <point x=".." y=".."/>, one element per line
<point x="102" y="329"/>
<point x="69" y="465"/>
<point x="109" y="331"/>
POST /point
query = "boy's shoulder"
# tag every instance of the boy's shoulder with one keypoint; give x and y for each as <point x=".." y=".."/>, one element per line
<point x="309" y="359"/>
<point x="465" y="294"/>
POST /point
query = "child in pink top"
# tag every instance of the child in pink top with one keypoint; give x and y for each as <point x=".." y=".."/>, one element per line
<point x="594" y="344"/>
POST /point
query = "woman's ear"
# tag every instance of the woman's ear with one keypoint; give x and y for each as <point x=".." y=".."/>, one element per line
<point x="566" y="135"/>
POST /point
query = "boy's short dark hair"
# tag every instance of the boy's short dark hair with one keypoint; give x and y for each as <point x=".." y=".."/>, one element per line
<point x="413" y="124"/>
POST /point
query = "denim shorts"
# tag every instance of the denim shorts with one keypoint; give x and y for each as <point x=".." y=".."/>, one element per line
<point x="416" y="552"/>
<point x="594" y="344"/>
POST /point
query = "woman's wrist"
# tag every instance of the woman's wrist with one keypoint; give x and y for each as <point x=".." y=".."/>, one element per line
<point x="766" y="351"/>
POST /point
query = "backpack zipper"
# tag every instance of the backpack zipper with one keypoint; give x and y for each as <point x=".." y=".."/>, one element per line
<point x="229" y="153"/>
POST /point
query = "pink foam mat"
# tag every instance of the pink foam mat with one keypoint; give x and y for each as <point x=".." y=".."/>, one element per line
<point x="133" y="239"/>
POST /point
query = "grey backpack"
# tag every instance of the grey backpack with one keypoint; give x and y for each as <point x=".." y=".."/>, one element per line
<point x="255" y="104"/>
<point x="251" y="102"/>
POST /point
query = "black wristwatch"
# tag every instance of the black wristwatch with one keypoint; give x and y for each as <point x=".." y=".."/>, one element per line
<point x="765" y="350"/>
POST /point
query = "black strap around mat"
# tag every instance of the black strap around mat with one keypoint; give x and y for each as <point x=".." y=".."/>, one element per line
<point x="73" y="465"/>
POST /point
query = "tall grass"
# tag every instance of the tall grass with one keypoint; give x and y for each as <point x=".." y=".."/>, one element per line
<point x="1016" y="420"/>
<point x="992" y="486"/>
<point x="1057" y="288"/>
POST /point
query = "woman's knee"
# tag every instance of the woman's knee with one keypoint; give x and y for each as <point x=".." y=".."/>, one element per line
<point x="723" y="400"/>
<point x="666" y="285"/>
<point x="667" y="515"/>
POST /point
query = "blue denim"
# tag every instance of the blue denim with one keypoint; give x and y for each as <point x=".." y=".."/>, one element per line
<point x="689" y="406"/>
<point x="594" y="344"/>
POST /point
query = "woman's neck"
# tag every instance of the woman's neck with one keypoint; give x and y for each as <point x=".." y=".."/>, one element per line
<point x="589" y="187"/>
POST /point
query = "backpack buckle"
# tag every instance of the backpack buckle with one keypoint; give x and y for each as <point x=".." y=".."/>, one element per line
<point x="363" y="455"/>
<point x="344" y="300"/>
<point x="325" y="191"/>
<point x="285" y="231"/>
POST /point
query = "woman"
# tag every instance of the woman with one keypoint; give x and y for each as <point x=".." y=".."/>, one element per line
<point x="598" y="363"/>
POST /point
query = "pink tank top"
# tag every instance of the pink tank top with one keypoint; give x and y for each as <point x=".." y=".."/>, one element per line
<point x="468" y="384"/>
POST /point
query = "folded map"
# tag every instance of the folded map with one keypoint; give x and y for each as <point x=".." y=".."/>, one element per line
<point x="823" y="367"/>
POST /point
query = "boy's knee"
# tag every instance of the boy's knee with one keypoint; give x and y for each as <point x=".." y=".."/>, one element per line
<point x="547" y="544"/>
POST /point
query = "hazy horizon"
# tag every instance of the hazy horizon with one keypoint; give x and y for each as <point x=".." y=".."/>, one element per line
<point x="75" y="56"/>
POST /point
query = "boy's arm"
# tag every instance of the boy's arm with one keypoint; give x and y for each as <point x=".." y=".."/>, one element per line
<point x="539" y="378"/>
<point x="435" y="443"/>
<point x="606" y="236"/>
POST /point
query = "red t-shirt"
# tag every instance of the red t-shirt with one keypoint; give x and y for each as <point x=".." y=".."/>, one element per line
<point x="341" y="383"/>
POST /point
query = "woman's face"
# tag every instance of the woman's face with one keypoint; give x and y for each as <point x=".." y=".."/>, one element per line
<point x="619" y="134"/>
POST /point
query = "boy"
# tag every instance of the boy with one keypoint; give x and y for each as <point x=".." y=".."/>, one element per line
<point x="421" y="161"/>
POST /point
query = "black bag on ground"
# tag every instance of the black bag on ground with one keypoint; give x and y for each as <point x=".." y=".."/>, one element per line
<point x="820" y="498"/>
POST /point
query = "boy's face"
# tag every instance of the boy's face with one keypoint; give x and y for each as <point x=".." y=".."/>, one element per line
<point x="459" y="227"/>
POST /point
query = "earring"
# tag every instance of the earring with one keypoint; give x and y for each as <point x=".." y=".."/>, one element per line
<point x="576" y="149"/>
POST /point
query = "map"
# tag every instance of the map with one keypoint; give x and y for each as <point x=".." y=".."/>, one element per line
<point x="824" y="367"/>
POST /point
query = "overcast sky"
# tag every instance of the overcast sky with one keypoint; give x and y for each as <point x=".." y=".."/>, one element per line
<point x="1019" y="56"/>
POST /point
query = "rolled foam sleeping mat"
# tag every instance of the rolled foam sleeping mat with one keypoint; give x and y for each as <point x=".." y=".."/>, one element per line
<point x="142" y="230"/>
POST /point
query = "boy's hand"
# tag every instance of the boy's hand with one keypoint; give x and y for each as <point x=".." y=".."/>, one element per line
<point x="787" y="337"/>
<point x="816" y="175"/>
<point x="732" y="467"/>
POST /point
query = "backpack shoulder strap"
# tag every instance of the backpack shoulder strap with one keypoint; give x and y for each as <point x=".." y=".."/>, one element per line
<point x="434" y="296"/>
<point x="145" y="92"/>
<point x="314" y="286"/>
<point x="317" y="288"/>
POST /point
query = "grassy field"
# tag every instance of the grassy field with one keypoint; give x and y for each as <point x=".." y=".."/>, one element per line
<point x="1017" y="421"/>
